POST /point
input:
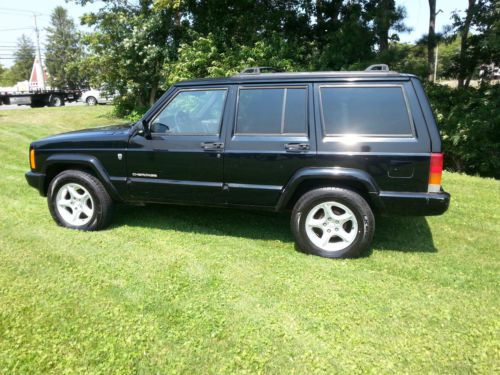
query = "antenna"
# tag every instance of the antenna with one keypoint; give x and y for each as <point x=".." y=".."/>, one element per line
<point x="42" y="75"/>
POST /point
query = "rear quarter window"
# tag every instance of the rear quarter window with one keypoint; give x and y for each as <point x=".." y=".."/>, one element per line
<point x="365" y="110"/>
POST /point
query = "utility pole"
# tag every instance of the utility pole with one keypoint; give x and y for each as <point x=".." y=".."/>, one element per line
<point x="431" y="40"/>
<point x="436" y="57"/>
<point x="41" y="80"/>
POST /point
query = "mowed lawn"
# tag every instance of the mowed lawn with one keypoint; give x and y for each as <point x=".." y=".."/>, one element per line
<point x="219" y="291"/>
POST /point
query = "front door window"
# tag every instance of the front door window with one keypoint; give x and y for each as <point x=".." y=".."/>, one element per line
<point x="192" y="112"/>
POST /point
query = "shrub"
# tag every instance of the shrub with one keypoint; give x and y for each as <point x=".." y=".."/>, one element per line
<point x="469" y="123"/>
<point x="126" y="107"/>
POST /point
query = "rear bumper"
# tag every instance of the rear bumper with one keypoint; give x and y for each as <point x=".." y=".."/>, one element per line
<point x="36" y="180"/>
<point x="414" y="204"/>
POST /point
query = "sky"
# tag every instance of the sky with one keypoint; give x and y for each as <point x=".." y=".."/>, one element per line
<point x="16" y="18"/>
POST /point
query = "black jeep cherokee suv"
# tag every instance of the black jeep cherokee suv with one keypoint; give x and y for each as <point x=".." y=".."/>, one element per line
<point x="332" y="147"/>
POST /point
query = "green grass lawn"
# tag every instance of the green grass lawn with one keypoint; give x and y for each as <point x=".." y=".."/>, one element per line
<point x="215" y="291"/>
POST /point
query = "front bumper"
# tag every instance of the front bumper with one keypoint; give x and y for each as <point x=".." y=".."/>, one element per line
<point x="414" y="204"/>
<point x="36" y="180"/>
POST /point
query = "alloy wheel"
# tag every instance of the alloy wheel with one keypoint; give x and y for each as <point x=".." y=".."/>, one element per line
<point x="331" y="226"/>
<point x="74" y="204"/>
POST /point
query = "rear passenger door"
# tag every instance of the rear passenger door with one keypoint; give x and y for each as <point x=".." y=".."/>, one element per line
<point x="270" y="139"/>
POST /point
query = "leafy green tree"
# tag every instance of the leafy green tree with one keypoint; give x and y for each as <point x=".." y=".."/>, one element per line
<point x="4" y="76"/>
<point x="23" y="63"/>
<point x="231" y="26"/>
<point x="130" y="46"/>
<point x="203" y="58"/>
<point x="481" y="45"/>
<point x="63" y="49"/>
<point x="386" y="16"/>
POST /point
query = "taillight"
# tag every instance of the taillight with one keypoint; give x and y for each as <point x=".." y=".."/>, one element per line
<point x="435" y="173"/>
<point x="32" y="159"/>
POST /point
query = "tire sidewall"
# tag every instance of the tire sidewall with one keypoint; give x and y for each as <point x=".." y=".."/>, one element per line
<point x="363" y="237"/>
<point x="81" y="179"/>
<point x="56" y="101"/>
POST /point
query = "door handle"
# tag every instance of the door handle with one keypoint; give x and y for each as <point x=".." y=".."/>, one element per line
<point x="207" y="146"/>
<point x="297" y="147"/>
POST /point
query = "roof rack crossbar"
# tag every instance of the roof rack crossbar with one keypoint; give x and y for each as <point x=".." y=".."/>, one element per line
<point x="382" y="67"/>
<point x="260" y="69"/>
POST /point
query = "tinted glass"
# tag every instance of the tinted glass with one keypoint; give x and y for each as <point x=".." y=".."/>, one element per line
<point x="259" y="111"/>
<point x="295" y="111"/>
<point x="192" y="112"/>
<point x="365" y="110"/>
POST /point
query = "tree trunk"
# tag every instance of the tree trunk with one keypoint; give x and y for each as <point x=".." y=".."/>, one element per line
<point x="152" y="93"/>
<point x="383" y="40"/>
<point x="320" y="20"/>
<point x="386" y="9"/>
<point x="431" y="41"/>
<point x="462" y="69"/>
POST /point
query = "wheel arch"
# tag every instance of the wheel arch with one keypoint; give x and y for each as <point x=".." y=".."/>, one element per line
<point x="308" y="179"/>
<point x="56" y="164"/>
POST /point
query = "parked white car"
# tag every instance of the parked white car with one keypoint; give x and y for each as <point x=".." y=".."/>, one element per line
<point x="95" y="96"/>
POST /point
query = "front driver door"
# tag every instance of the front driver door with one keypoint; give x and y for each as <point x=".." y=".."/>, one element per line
<point x="183" y="160"/>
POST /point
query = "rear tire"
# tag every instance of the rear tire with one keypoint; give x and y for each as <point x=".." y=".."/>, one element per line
<point x="78" y="200"/>
<point x="332" y="223"/>
<point x="56" y="101"/>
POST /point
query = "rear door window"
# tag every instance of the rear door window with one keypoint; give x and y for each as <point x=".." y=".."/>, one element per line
<point x="272" y="111"/>
<point x="365" y="110"/>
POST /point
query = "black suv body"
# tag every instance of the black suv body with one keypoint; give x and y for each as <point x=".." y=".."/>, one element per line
<point x="282" y="141"/>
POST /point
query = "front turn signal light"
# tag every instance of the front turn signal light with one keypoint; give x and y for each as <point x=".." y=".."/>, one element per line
<point x="32" y="159"/>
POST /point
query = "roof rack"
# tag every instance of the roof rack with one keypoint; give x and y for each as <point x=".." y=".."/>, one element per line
<point x="260" y="69"/>
<point x="382" y="67"/>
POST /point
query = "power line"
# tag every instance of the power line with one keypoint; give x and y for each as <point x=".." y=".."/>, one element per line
<point x="19" y="28"/>
<point x="22" y="11"/>
<point x="11" y="47"/>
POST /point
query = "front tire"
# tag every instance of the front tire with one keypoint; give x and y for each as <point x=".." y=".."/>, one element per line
<point x="91" y="100"/>
<point x="333" y="223"/>
<point x="78" y="200"/>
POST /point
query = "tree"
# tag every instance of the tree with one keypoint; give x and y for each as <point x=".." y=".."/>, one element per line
<point x="136" y="45"/>
<point x="24" y="57"/>
<point x="464" y="35"/>
<point x="478" y="33"/>
<point x="63" y="50"/>
<point x="431" y="41"/>
<point x="4" y="80"/>
<point x="131" y="44"/>
<point x="386" y="16"/>
<point x="202" y="58"/>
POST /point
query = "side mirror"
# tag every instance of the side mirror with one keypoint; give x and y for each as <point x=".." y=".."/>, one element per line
<point x="144" y="131"/>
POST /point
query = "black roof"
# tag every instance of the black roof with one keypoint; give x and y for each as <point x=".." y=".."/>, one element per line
<point x="300" y="77"/>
